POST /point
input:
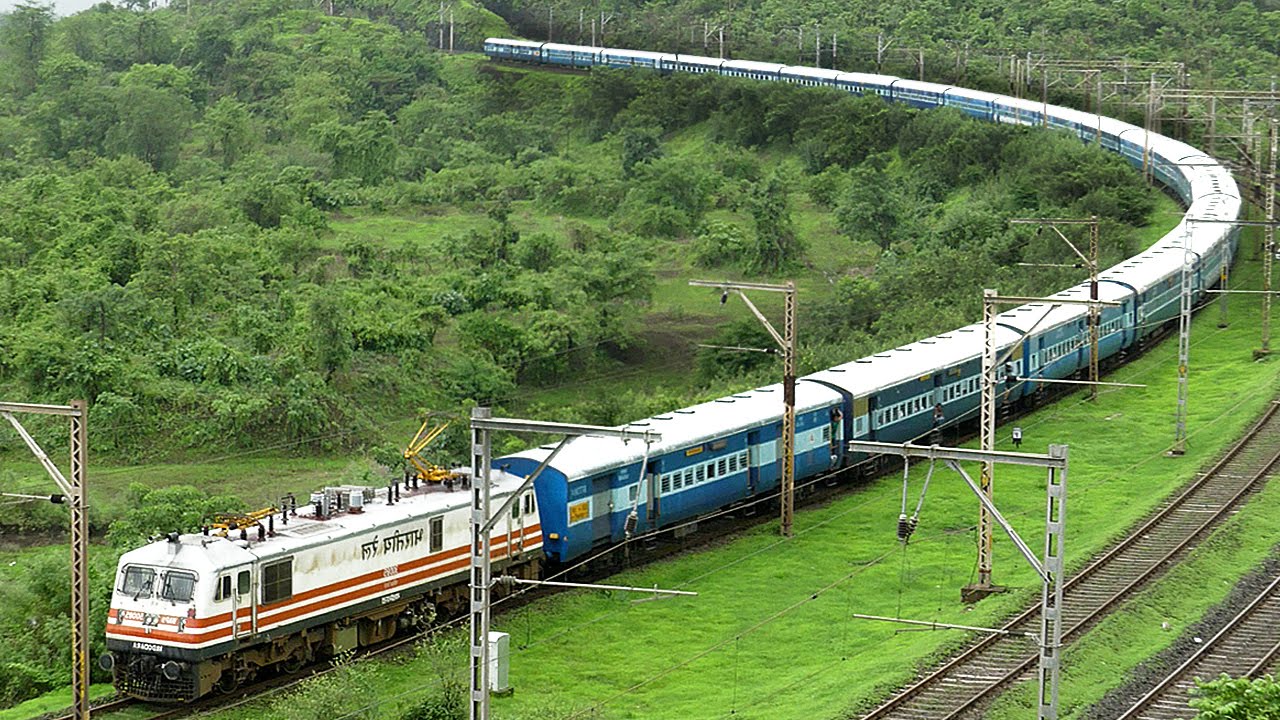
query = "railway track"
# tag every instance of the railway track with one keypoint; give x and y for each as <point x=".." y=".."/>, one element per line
<point x="1246" y="646"/>
<point x="966" y="683"/>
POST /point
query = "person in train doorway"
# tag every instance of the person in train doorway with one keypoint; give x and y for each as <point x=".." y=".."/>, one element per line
<point x="1017" y="437"/>
<point x="935" y="436"/>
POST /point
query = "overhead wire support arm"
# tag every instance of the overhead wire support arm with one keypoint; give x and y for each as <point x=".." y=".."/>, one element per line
<point x="786" y="341"/>
<point x="73" y="494"/>
<point x="932" y="625"/>
<point x="511" y="580"/>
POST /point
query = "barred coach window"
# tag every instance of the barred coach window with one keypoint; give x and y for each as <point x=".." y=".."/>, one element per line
<point x="277" y="581"/>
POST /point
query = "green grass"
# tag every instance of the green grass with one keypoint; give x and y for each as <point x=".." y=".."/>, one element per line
<point x="1102" y="659"/>
<point x="769" y="635"/>
<point x="55" y="701"/>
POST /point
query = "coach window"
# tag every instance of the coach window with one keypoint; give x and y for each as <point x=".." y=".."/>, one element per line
<point x="437" y="534"/>
<point x="277" y="581"/>
<point x="529" y="504"/>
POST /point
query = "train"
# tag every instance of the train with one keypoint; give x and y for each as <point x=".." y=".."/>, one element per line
<point x="194" y="613"/>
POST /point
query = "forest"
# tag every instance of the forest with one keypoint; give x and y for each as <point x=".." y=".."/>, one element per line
<point x="261" y="223"/>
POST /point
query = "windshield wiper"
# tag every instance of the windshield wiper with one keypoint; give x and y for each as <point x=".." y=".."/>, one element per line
<point x="146" y="587"/>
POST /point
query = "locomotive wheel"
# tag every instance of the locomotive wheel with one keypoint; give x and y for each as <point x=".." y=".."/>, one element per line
<point x="293" y="663"/>
<point x="229" y="682"/>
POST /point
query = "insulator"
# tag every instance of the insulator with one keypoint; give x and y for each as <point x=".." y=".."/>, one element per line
<point x="904" y="527"/>
<point x="632" y="521"/>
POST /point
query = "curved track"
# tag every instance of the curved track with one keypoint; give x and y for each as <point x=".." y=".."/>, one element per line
<point x="962" y="686"/>
<point x="1246" y="647"/>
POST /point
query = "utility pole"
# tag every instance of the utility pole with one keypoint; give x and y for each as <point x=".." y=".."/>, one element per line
<point x="1184" y="345"/>
<point x="482" y="522"/>
<point x="1269" y="244"/>
<point x="73" y="493"/>
<point x="1091" y="263"/>
<point x="787" y="343"/>
<point x="817" y="45"/>
<point x="991" y="360"/>
<point x="1049" y="567"/>
<point x="450" y="30"/>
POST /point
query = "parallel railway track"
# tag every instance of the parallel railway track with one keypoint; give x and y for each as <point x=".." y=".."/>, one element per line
<point x="1246" y="646"/>
<point x="961" y="687"/>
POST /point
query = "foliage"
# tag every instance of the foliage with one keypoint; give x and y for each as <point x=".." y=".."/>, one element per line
<point x="152" y="512"/>
<point x="447" y="699"/>
<point x="347" y="689"/>
<point x="1227" y="698"/>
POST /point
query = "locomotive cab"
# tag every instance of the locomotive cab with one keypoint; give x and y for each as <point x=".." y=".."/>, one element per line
<point x="166" y="616"/>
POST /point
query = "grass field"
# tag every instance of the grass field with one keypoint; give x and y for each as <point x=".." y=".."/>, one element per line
<point x="769" y="635"/>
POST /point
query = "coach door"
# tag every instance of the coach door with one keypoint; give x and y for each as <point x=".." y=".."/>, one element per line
<point x="515" y="525"/>
<point x="244" y="610"/>
<point x="602" y="506"/>
<point x="655" y="495"/>
<point x="753" y="464"/>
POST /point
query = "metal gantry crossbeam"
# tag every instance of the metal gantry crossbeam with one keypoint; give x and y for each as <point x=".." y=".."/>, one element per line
<point x="73" y="492"/>
<point x="786" y="341"/>
<point x="1050" y="565"/>
<point x="483" y="425"/>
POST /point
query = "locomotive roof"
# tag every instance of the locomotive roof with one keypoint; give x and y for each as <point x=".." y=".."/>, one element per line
<point x="198" y="552"/>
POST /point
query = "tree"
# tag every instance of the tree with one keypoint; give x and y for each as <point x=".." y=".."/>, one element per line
<point x="23" y="34"/>
<point x="228" y="130"/>
<point x="365" y="150"/>
<point x="153" y="121"/>
<point x="639" y="145"/>
<point x="330" y="338"/>
<point x="870" y="208"/>
<point x="1237" y="699"/>
<point x="776" y="243"/>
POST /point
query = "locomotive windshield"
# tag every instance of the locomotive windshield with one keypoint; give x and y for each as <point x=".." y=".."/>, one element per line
<point x="138" y="581"/>
<point x="178" y="586"/>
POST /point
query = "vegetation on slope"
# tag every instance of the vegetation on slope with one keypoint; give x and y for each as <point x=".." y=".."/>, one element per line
<point x="178" y="250"/>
